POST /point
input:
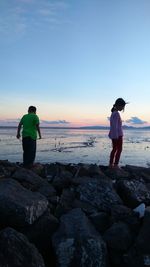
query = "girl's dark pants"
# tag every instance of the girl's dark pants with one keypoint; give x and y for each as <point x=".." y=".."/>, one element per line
<point x="116" y="150"/>
<point x="29" y="151"/>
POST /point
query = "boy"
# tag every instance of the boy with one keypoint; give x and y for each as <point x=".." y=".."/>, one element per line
<point x="30" y="124"/>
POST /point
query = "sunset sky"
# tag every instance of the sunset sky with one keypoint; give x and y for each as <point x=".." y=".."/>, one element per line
<point x="73" y="58"/>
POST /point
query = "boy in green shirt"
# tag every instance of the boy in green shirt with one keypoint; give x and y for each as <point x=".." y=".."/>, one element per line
<point x="30" y="123"/>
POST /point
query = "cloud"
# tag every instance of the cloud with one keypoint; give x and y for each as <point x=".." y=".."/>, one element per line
<point x="14" y="122"/>
<point x="21" y="16"/>
<point x="135" y="120"/>
<point x="55" y="122"/>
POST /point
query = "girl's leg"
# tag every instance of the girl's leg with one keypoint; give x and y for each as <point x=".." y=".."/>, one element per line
<point x="119" y="150"/>
<point x="113" y="152"/>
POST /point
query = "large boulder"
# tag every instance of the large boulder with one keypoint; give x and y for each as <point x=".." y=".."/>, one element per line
<point x="19" y="206"/>
<point x="16" y="251"/>
<point x="133" y="192"/>
<point x="40" y="234"/>
<point x="77" y="243"/>
<point x="34" y="182"/>
<point x="118" y="237"/>
<point x="100" y="194"/>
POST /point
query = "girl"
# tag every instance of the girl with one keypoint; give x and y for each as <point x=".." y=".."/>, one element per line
<point x="116" y="133"/>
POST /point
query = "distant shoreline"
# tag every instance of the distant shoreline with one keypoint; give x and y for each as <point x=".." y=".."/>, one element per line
<point x="125" y="127"/>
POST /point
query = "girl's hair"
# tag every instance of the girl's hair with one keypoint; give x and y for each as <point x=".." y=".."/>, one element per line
<point x="118" y="102"/>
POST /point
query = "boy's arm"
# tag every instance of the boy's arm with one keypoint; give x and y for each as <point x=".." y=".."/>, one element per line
<point x="38" y="130"/>
<point x="18" y="130"/>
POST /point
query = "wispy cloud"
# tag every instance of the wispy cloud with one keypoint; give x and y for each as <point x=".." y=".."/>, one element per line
<point x="14" y="122"/>
<point x="135" y="120"/>
<point x="18" y="17"/>
<point x="55" y="122"/>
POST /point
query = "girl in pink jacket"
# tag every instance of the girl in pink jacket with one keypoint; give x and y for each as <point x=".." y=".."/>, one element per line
<point x="116" y="133"/>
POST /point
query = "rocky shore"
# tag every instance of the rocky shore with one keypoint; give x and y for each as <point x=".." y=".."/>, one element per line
<point x="74" y="215"/>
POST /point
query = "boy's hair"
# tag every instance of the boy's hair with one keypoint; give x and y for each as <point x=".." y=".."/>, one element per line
<point x="32" y="109"/>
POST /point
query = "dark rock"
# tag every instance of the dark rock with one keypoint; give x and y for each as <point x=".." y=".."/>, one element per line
<point x="127" y="215"/>
<point x="7" y="168"/>
<point x="100" y="195"/>
<point x="143" y="239"/>
<point x="51" y="170"/>
<point x="133" y="192"/>
<point x="136" y="171"/>
<point x="91" y="170"/>
<point x="19" y="206"/>
<point x="16" y="251"/>
<point x="101" y="221"/>
<point x="118" y="237"/>
<point x="77" y="243"/>
<point x="92" y="202"/>
<point x="65" y="202"/>
<point x="86" y="207"/>
<point x="34" y="182"/>
<point x="64" y="180"/>
<point x="40" y="234"/>
<point x="116" y="174"/>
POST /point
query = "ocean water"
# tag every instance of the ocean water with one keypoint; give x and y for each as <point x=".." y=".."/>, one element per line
<point x="75" y="146"/>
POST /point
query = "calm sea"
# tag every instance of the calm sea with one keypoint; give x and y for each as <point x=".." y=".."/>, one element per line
<point x="74" y="146"/>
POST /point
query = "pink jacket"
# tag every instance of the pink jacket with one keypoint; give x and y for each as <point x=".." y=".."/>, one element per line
<point x="115" y="125"/>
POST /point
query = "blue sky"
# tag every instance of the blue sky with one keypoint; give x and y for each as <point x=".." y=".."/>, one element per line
<point x="73" y="58"/>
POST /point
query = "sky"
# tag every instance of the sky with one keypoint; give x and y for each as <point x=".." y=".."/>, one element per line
<point x="73" y="58"/>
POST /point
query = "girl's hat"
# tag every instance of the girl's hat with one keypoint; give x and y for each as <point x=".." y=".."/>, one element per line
<point x="120" y="102"/>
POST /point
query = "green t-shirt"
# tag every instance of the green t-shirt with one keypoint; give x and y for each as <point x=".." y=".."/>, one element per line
<point x="29" y="122"/>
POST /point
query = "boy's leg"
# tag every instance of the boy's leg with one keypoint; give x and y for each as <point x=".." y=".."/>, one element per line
<point x="26" y="150"/>
<point x="29" y="151"/>
<point x="32" y="151"/>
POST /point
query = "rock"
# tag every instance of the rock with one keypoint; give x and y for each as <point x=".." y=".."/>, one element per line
<point x="121" y="213"/>
<point x="142" y="242"/>
<point x="133" y="192"/>
<point x="140" y="210"/>
<point x="19" y="206"/>
<point x="91" y="170"/>
<point x="136" y="171"/>
<point x="118" y="237"/>
<point x="40" y="234"/>
<point x="38" y="168"/>
<point x="138" y="255"/>
<point x="16" y="251"/>
<point x="77" y="243"/>
<point x="7" y="168"/>
<point x="92" y="203"/>
<point x="65" y="202"/>
<point x="34" y="182"/>
<point x="100" y="195"/>
<point x="51" y="170"/>
<point x="63" y="180"/>
<point x="116" y="174"/>
<point x="101" y="221"/>
<point x="86" y="207"/>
